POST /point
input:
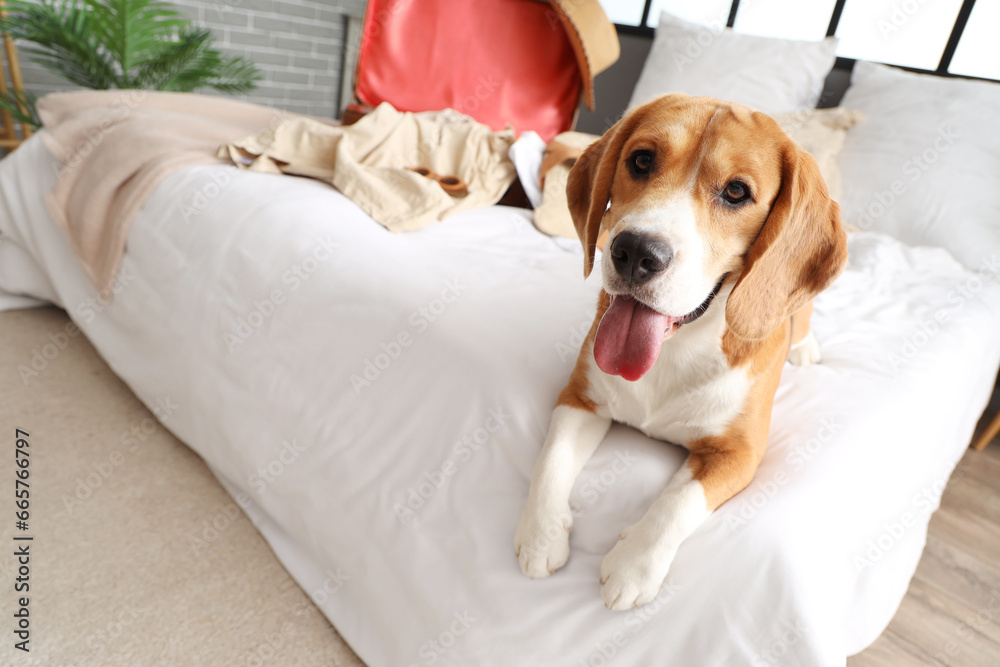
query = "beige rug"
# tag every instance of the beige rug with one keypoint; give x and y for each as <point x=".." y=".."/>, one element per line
<point x="139" y="556"/>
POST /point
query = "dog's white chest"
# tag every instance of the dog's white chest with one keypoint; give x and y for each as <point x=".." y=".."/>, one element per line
<point x="691" y="392"/>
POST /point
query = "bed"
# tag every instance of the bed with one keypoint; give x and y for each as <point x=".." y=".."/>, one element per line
<point x="375" y="404"/>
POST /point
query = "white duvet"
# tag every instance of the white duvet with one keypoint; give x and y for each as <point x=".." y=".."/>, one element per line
<point x="376" y="402"/>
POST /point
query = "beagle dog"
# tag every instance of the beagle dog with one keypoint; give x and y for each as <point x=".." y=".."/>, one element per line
<point x="720" y="231"/>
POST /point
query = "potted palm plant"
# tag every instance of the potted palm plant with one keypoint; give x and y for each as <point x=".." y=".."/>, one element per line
<point x="129" y="44"/>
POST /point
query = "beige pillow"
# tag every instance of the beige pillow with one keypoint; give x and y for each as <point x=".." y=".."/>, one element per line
<point x="821" y="132"/>
<point x="552" y="216"/>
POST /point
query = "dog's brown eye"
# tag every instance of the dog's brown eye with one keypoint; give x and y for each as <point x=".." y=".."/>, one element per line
<point x="641" y="162"/>
<point x="736" y="192"/>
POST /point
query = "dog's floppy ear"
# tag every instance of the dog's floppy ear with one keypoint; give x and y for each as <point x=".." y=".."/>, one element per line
<point x="800" y="251"/>
<point x="588" y="188"/>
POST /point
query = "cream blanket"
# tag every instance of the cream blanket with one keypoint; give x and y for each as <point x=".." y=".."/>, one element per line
<point x="115" y="147"/>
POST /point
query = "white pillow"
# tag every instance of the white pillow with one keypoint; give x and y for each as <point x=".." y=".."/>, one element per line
<point x="769" y="74"/>
<point x="925" y="165"/>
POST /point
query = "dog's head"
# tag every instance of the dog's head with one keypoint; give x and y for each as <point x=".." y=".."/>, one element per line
<point x="695" y="192"/>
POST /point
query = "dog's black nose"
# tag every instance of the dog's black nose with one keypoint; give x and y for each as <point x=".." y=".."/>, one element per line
<point x="638" y="258"/>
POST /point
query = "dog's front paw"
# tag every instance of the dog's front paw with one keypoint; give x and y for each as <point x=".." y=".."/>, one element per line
<point x="805" y="352"/>
<point x="542" y="541"/>
<point x="634" y="570"/>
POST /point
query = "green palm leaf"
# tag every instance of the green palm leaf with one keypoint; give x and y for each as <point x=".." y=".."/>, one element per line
<point x="143" y="44"/>
<point x="189" y="63"/>
<point x="131" y="30"/>
<point x="22" y="107"/>
<point x="63" y="41"/>
<point x="159" y="69"/>
<point x="230" y="75"/>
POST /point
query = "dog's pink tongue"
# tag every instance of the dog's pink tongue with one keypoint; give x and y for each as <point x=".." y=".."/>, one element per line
<point x="629" y="338"/>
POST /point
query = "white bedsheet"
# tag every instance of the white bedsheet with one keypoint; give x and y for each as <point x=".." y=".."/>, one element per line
<point x="467" y="331"/>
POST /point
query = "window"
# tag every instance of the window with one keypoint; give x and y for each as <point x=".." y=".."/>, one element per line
<point x="908" y="33"/>
<point x="788" y="19"/>
<point x="709" y="12"/>
<point x="912" y="33"/>
<point x="977" y="53"/>
<point x="624" y="12"/>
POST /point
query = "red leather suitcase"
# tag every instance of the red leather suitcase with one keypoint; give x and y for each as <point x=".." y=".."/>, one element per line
<point x="522" y="63"/>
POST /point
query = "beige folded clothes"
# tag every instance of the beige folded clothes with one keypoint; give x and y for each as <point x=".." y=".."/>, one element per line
<point x="373" y="161"/>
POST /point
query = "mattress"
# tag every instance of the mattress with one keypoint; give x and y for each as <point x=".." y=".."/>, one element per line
<point x="375" y="402"/>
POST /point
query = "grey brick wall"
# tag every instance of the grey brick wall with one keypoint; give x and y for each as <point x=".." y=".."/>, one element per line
<point x="298" y="45"/>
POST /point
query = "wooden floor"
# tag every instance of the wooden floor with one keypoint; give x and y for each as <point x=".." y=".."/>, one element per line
<point x="951" y="613"/>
